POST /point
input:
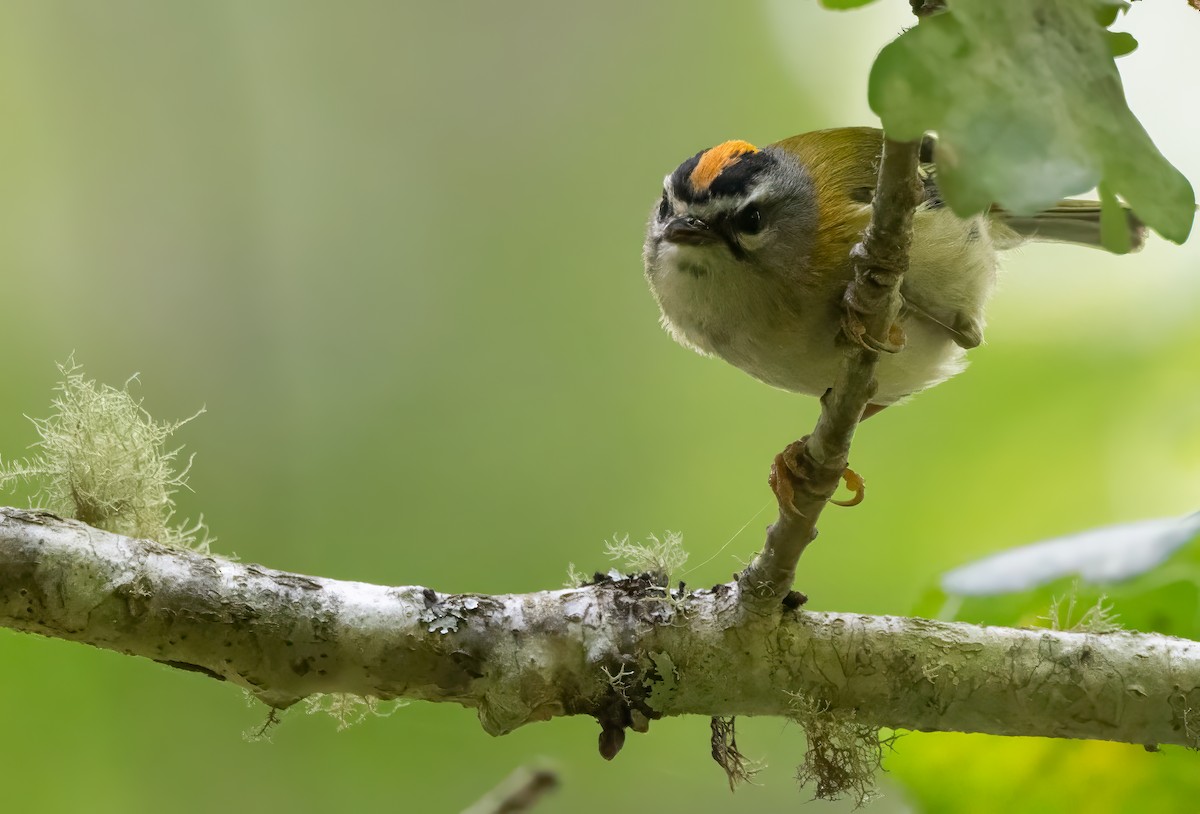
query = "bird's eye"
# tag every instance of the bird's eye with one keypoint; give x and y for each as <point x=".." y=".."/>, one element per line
<point x="664" y="208"/>
<point x="748" y="221"/>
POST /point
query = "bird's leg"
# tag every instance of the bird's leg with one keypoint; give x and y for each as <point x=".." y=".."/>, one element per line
<point x="791" y="467"/>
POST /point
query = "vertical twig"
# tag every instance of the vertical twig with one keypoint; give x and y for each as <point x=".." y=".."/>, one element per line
<point x="806" y="474"/>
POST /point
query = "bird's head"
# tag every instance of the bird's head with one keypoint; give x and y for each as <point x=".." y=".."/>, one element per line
<point x="733" y="209"/>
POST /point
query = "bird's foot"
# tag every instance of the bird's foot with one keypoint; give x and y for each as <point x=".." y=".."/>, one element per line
<point x="856" y="331"/>
<point x="869" y="296"/>
<point x="793" y="470"/>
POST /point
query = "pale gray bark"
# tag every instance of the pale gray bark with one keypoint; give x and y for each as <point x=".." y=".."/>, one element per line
<point x="623" y="652"/>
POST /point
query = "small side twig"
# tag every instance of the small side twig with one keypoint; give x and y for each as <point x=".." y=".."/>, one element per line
<point x="806" y="475"/>
<point x="520" y="791"/>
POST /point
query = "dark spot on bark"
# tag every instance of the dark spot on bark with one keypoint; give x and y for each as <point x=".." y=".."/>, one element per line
<point x="794" y="599"/>
<point x="612" y="738"/>
<point x="193" y="668"/>
<point x="470" y="663"/>
<point x="294" y="581"/>
<point x="301" y="666"/>
<point x="430" y="596"/>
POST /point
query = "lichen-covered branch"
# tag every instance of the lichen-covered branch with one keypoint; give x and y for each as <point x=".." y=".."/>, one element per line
<point x="806" y="474"/>
<point x="625" y="651"/>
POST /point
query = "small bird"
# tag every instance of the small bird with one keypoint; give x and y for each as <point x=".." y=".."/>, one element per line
<point x="748" y="255"/>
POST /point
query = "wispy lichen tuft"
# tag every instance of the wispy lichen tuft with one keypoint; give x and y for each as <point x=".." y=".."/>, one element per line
<point x="1098" y="618"/>
<point x="103" y="459"/>
<point x="843" y="753"/>
<point x="349" y="710"/>
<point x="656" y="557"/>
<point x="738" y="768"/>
<point x="575" y="577"/>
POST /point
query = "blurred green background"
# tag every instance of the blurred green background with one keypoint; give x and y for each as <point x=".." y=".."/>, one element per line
<point x="394" y="248"/>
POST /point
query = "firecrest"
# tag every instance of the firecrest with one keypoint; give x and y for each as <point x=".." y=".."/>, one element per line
<point x="748" y="255"/>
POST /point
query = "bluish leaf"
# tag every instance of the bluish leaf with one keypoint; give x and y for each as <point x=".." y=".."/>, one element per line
<point x="1100" y="556"/>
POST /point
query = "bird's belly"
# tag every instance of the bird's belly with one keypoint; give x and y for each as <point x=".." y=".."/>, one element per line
<point x="792" y="342"/>
<point x="928" y="358"/>
<point x="808" y="362"/>
<point x="787" y="360"/>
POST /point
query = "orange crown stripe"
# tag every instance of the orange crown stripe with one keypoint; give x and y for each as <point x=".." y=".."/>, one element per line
<point x="714" y="162"/>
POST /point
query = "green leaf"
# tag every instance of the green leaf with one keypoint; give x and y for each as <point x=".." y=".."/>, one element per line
<point x="1107" y="10"/>
<point x="1114" y="226"/>
<point x="1029" y="108"/>
<point x="841" y="5"/>
<point x="1121" y="43"/>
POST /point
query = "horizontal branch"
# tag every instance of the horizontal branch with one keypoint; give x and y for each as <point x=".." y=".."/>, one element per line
<point x="622" y="651"/>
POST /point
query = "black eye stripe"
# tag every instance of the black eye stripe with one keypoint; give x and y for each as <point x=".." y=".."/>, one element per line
<point x="749" y="220"/>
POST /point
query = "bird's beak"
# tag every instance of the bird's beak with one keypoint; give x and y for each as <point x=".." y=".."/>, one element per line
<point x="689" y="231"/>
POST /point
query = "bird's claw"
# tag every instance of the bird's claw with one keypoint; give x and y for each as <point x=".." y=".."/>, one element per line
<point x="856" y="331"/>
<point x="855" y="483"/>
<point x="790" y="472"/>
<point x="863" y="298"/>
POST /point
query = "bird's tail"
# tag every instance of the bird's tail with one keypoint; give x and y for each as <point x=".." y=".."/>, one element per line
<point x="1070" y="221"/>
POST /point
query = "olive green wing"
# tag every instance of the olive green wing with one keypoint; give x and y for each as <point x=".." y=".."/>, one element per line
<point x="844" y="164"/>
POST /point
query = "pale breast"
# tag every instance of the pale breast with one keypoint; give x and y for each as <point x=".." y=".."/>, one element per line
<point x="787" y="336"/>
